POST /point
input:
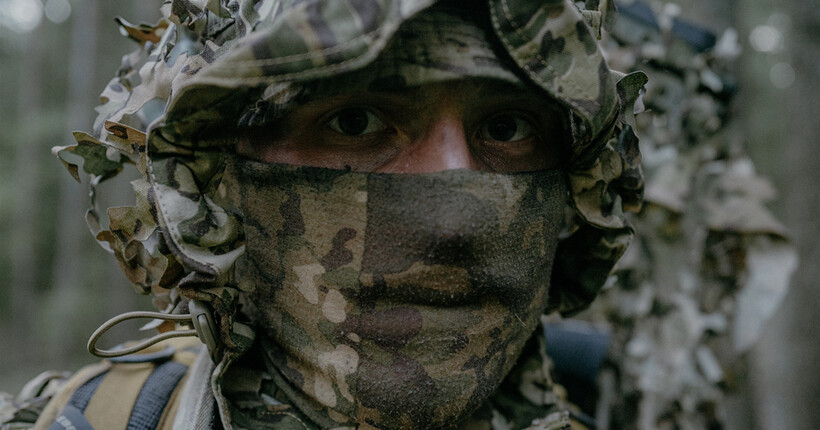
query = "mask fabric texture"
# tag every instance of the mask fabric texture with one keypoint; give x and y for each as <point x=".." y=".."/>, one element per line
<point x="401" y="301"/>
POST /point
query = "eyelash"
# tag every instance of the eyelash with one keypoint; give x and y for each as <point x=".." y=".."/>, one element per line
<point x="521" y="124"/>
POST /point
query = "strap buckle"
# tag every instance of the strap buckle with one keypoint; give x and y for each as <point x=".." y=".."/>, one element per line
<point x="203" y="320"/>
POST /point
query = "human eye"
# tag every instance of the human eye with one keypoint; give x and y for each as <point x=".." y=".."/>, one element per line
<point x="517" y="142"/>
<point x="508" y="127"/>
<point x="356" y="121"/>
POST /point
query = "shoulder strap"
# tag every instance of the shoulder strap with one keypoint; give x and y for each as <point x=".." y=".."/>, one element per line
<point x="60" y="400"/>
<point x="134" y="392"/>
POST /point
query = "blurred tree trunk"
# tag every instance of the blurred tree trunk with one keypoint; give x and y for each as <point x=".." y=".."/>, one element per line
<point x="789" y="382"/>
<point x="27" y="159"/>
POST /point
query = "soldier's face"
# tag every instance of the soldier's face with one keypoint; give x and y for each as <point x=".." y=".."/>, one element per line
<point x="400" y="299"/>
<point x="476" y="124"/>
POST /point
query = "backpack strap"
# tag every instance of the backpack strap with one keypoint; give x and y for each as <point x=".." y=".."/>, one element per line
<point x="55" y="406"/>
<point x="134" y="392"/>
<point x="115" y="398"/>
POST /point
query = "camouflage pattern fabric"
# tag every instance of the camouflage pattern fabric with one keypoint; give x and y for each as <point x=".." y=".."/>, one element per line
<point x="525" y="399"/>
<point x="436" y="46"/>
<point x="396" y="300"/>
<point x="22" y="410"/>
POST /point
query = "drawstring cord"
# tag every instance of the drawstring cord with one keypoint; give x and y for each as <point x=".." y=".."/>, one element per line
<point x="200" y="317"/>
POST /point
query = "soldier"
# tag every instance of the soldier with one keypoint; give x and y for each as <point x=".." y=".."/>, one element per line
<point x="363" y="208"/>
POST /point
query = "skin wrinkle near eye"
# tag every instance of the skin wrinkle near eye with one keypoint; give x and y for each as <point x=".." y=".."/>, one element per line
<point x="310" y="135"/>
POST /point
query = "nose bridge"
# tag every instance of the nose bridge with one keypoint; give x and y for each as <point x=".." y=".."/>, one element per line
<point x="447" y="141"/>
<point x="444" y="145"/>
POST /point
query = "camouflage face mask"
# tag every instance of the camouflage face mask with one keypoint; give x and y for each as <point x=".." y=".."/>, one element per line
<point x="396" y="300"/>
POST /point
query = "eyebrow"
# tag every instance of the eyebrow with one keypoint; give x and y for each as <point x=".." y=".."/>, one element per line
<point x="492" y="92"/>
<point x="398" y="98"/>
<point x="486" y="92"/>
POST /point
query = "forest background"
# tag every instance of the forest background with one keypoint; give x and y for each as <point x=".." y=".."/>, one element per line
<point x="57" y="285"/>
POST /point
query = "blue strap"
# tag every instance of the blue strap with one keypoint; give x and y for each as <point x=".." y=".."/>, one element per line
<point x="83" y="395"/>
<point x="155" y="394"/>
<point x="577" y="348"/>
<point x="699" y="38"/>
<point x="71" y="418"/>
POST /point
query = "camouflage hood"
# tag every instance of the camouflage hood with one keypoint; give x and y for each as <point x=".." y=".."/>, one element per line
<point x="172" y="106"/>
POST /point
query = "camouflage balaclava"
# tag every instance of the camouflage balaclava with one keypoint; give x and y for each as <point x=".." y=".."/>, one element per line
<point x="205" y="68"/>
<point x="397" y="300"/>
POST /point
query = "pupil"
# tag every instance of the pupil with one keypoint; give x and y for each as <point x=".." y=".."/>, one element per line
<point x="502" y="128"/>
<point x="353" y="121"/>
